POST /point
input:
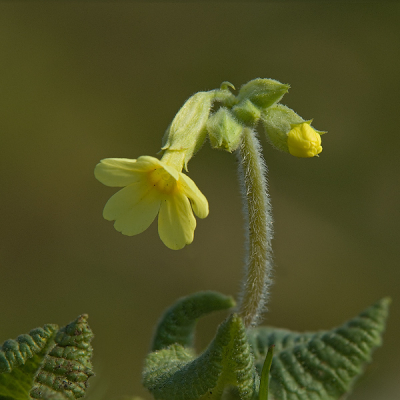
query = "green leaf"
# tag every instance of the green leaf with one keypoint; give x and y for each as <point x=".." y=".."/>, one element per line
<point x="227" y="365"/>
<point x="20" y="360"/>
<point x="179" y="321"/>
<point x="67" y="367"/>
<point x="322" y="365"/>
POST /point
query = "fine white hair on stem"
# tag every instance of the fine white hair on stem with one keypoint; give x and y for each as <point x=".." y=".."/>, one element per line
<point x="258" y="229"/>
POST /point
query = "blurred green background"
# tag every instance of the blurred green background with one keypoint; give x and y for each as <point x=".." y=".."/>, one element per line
<point x="82" y="81"/>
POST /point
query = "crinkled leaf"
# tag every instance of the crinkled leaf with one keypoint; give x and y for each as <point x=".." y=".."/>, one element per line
<point x="179" y="321"/>
<point x="322" y="365"/>
<point x="67" y="367"/>
<point x="21" y="359"/>
<point x="175" y="373"/>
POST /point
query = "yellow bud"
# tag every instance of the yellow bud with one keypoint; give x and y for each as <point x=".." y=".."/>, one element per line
<point x="303" y="140"/>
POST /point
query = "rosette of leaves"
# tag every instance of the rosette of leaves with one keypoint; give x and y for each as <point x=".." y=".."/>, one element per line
<point x="48" y="363"/>
<point x="311" y="366"/>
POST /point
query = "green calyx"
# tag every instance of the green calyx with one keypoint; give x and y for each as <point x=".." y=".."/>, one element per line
<point x="187" y="131"/>
<point x="247" y="112"/>
<point x="224" y="130"/>
<point x="263" y="93"/>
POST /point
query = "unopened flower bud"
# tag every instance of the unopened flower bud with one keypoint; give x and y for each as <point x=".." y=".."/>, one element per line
<point x="263" y="92"/>
<point x="224" y="130"/>
<point x="304" y="141"/>
<point x="279" y="121"/>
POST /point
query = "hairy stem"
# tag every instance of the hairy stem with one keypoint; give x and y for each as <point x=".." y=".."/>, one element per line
<point x="259" y="230"/>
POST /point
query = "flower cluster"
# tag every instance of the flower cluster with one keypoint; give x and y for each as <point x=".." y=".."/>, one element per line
<point x="152" y="186"/>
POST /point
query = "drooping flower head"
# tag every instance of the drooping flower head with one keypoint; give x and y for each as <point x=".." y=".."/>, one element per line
<point x="152" y="187"/>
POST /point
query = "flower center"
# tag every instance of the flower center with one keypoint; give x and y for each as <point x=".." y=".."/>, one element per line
<point x="162" y="180"/>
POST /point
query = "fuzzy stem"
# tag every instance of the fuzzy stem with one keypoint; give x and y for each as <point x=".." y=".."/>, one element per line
<point x="259" y="230"/>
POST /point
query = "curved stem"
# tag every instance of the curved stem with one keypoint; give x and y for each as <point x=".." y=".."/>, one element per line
<point x="259" y="229"/>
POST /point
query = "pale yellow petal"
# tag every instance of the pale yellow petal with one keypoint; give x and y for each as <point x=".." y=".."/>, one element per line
<point x="171" y="170"/>
<point x="198" y="200"/>
<point x="139" y="217"/>
<point x="125" y="199"/>
<point x="117" y="172"/>
<point x="176" y="223"/>
<point x="147" y="163"/>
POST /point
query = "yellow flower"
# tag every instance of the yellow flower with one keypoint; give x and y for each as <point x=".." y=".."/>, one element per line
<point x="152" y="187"/>
<point x="303" y="140"/>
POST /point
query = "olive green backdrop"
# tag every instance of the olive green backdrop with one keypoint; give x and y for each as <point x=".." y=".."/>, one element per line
<point x="82" y="81"/>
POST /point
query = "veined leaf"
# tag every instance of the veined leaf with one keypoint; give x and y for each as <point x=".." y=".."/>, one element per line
<point x="67" y="367"/>
<point x="174" y="373"/>
<point x="179" y="321"/>
<point x="20" y="361"/>
<point x="321" y="365"/>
